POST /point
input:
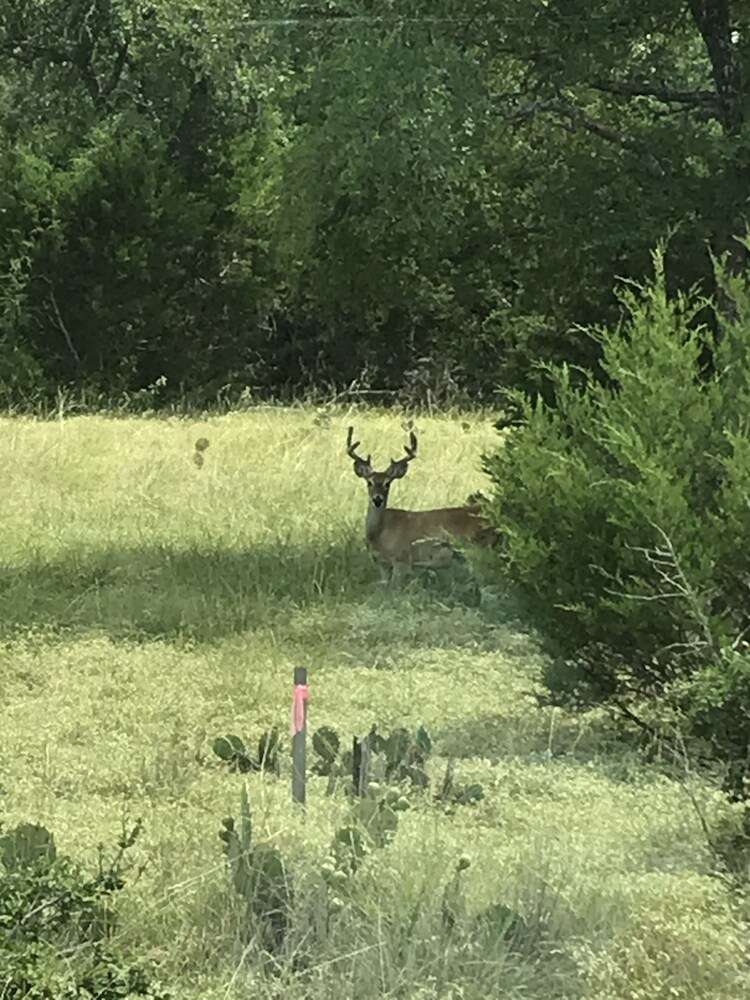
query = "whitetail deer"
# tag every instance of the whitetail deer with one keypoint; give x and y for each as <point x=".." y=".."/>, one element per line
<point x="402" y="538"/>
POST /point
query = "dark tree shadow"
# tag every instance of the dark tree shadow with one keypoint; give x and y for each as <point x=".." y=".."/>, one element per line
<point x="525" y="731"/>
<point x="615" y="750"/>
<point x="159" y="592"/>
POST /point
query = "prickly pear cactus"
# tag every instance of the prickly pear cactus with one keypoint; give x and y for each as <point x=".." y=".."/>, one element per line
<point x="238" y="846"/>
<point x="396" y="749"/>
<point x="399" y="756"/>
<point x="453" y="793"/>
<point x="468" y="794"/>
<point x="232" y="750"/>
<point x="27" y="845"/>
<point x="406" y="756"/>
<point x="326" y="744"/>
<point x="259" y="875"/>
<point x="374" y="824"/>
<point x="349" y="848"/>
<point x="378" y="813"/>
<point x="454" y="897"/>
<point x="268" y="751"/>
<point x="499" y="922"/>
<point x="270" y="894"/>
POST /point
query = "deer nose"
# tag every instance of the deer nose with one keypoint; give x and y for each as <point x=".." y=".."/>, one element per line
<point x="377" y="499"/>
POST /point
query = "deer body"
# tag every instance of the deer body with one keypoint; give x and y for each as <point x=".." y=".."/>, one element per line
<point x="399" y="538"/>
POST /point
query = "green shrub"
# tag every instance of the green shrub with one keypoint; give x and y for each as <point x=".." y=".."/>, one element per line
<point x="56" y="923"/>
<point x="625" y="506"/>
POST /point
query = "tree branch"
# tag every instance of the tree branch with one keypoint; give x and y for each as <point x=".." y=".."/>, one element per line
<point x="90" y="82"/>
<point x="705" y="99"/>
<point x="568" y="114"/>
<point x="522" y="108"/>
<point x="63" y="327"/>
<point x="29" y="53"/>
<point x="578" y="119"/>
<point x="713" y="20"/>
<point x="116" y="71"/>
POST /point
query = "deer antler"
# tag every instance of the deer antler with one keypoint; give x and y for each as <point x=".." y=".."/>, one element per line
<point x="351" y="447"/>
<point x="398" y="467"/>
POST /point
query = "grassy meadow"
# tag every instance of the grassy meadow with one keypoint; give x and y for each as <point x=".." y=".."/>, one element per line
<point x="148" y="606"/>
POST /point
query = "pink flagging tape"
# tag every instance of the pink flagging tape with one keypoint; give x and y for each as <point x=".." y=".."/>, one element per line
<point x="298" y="707"/>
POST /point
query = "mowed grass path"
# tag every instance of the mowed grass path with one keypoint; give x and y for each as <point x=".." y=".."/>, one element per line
<point x="149" y="606"/>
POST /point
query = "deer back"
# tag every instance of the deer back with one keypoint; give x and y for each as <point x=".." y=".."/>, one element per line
<point x="425" y="535"/>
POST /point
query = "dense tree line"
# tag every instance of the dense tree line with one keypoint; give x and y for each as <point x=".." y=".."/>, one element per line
<point x="278" y="194"/>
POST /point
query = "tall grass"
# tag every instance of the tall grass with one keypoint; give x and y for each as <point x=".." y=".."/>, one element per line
<point x="149" y="605"/>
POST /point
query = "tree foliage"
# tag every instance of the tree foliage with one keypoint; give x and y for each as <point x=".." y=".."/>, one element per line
<point x="623" y="506"/>
<point x="272" y="194"/>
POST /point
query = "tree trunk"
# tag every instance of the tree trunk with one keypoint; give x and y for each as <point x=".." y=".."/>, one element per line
<point x="713" y="18"/>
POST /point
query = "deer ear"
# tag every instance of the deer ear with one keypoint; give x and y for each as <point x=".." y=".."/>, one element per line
<point x="397" y="470"/>
<point x="361" y="469"/>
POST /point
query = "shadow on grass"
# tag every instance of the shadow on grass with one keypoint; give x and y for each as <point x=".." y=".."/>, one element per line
<point x="526" y="731"/>
<point x="595" y="739"/>
<point x="208" y="594"/>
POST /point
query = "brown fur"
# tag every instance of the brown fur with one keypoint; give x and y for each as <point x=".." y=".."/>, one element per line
<point x="400" y="538"/>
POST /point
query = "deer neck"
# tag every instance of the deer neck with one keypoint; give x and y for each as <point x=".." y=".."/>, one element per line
<point x="374" y="522"/>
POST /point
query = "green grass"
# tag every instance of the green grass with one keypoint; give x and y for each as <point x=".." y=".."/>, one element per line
<point x="149" y="606"/>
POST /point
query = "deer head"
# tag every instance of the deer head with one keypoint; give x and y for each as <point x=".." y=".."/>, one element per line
<point x="378" y="483"/>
